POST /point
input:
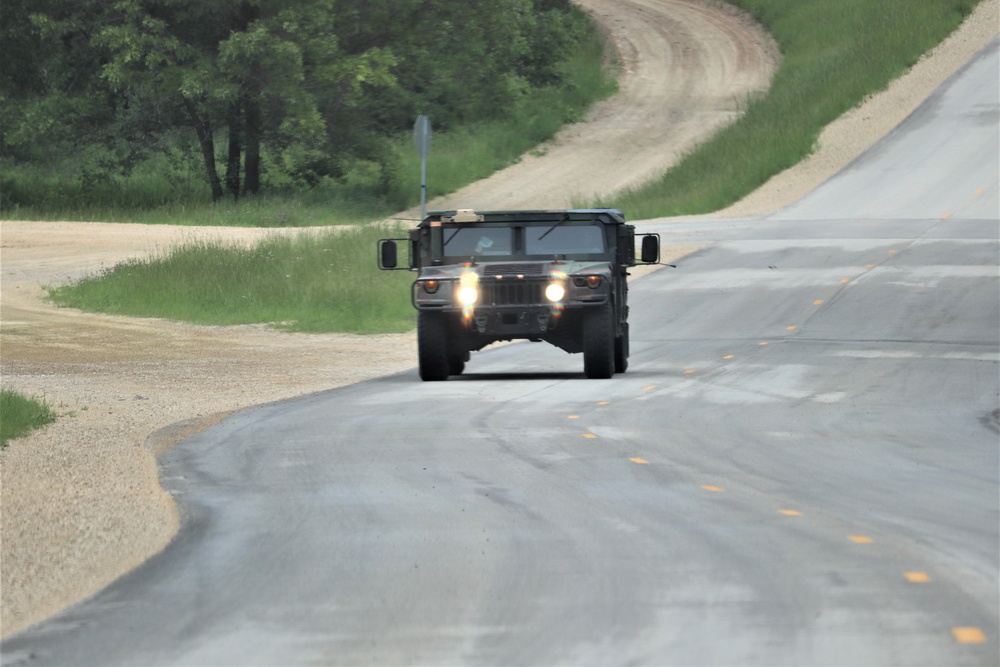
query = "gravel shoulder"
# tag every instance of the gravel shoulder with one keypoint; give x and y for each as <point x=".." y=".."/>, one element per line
<point x="80" y="500"/>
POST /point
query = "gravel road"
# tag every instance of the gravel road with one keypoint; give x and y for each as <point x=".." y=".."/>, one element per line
<point x="81" y="503"/>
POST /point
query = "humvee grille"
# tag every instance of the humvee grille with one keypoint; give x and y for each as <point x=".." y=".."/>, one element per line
<point x="511" y="293"/>
<point x="534" y="269"/>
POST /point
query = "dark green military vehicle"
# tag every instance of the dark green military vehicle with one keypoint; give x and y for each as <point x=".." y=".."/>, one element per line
<point x="553" y="276"/>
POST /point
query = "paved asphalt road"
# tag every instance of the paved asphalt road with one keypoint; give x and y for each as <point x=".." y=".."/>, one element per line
<point x="801" y="466"/>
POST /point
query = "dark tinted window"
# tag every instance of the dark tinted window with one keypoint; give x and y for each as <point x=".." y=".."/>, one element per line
<point x="564" y="240"/>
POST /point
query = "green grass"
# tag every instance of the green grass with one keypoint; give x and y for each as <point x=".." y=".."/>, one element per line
<point x="834" y="54"/>
<point x="310" y="281"/>
<point x="19" y="415"/>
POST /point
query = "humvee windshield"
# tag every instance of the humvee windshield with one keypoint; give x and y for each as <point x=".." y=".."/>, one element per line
<point x="503" y="241"/>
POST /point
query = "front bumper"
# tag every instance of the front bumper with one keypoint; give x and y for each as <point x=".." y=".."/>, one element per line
<point x="510" y="307"/>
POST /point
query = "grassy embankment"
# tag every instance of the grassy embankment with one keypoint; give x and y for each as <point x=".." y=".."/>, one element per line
<point x="20" y="415"/>
<point x="834" y="54"/>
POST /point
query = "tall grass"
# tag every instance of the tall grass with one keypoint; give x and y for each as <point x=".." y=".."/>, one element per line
<point x="313" y="281"/>
<point x="20" y="414"/>
<point x="834" y="54"/>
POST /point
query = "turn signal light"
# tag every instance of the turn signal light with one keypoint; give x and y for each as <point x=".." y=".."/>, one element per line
<point x="431" y="286"/>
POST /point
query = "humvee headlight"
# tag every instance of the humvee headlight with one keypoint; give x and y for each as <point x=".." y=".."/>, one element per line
<point x="555" y="292"/>
<point x="593" y="282"/>
<point x="468" y="289"/>
<point x="431" y="286"/>
<point x="468" y="295"/>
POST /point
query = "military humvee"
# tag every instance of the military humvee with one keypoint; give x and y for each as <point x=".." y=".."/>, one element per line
<point x="553" y="276"/>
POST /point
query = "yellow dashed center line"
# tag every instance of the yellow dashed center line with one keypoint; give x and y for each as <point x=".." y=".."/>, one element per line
<point x="860" y="539"/>
<point x="589" y="436"/>
<point x="791" y="512"/>
<point x="917" y="577"/>
<point x="649" y="388"/>
<point x="968" y="635"/>
<point x="845" y="280"/>
<point x="728" y="356"/>
<point x="762" y="343"/>
<point x="791" y="328"/>
<point x="573" y="417"/>
<point x="818" y="302"/>
<point x="690" y="371"/>
<point x="604" y="402"/>
<point x="945" y="216"/>
<point x="713" y="489"/>
<point x="639" y="461"/>
<point x="869" y="266"/>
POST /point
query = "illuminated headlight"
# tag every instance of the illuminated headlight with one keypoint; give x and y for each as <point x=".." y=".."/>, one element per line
<point x="468" y="295"/>
<point x="468" y="289"/>
<point x="555" y="292"/>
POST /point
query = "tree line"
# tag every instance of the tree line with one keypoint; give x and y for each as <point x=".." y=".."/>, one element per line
<point x="315" y="85"/>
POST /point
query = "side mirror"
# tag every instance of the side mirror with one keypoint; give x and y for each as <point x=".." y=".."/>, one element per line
<point x="387" y="254"/>
<point x="650" y="249"/>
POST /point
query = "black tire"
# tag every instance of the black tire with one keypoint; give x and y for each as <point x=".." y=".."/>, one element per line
<point x="456" y="364"/>
<point x="432" y="346"/>
<point x="621" y="350"/>
<point x="599" y="342"/>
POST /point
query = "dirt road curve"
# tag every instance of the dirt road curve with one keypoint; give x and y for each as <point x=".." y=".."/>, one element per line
<point x="80" y="501"/>
<point x="686" y="66"/>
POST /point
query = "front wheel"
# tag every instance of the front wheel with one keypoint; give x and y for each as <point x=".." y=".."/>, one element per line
<point x="599" y="342"/>
<point x="432" y="346"/>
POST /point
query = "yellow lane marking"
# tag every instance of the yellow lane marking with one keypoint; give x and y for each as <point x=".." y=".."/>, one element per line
<point x="604" y="402"/>
<point x="968" y="635"/>
<point x="573" y="417"/>
<point x="860" y="539"/>
<point x="818" y="302"/>
<point x="728" y="356"/>
<point x="917" y="577"/>
<point x="649" y="388"/>
<point x="870" y="266"/>
<point x="690" y="371"/>
<point x="893" y="252"/>
<point x="845" y="280"/>
<point x="791" y="512"/>
<point x="945" y="216"/>
<point x="791" y="328"/>
<point x="713" y="489"/>
<point x="762" y="343"/>
<point x="589" y="436"/>
<point x="979" y="191"/>
<point x="639" y="461"/>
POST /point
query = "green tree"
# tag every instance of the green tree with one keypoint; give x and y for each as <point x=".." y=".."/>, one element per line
<point x="301" y="90"/>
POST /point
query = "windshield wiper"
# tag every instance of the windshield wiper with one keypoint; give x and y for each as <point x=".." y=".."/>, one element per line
<point x="564" y="218"/>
